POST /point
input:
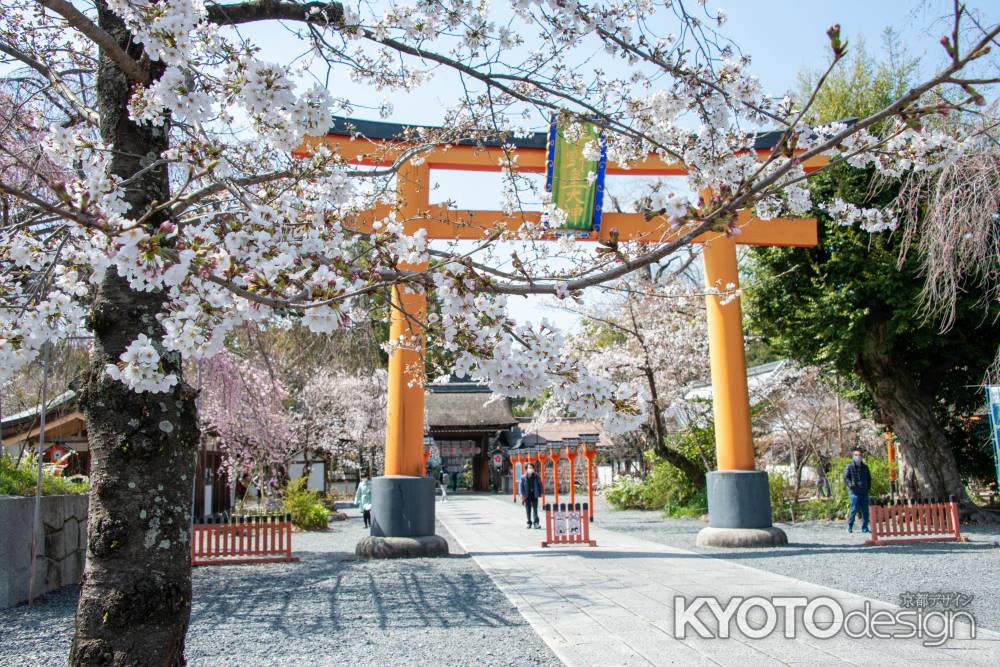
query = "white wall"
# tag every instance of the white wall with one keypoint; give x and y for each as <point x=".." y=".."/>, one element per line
<point x="316" y="474"/>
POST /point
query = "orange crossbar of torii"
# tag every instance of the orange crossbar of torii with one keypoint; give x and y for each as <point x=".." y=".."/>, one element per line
<point x="405" y="410"/>
<point x="443" y="223"/>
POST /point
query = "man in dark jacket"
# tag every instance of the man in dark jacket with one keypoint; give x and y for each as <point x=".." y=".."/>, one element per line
<point x="530" y="490"/>
<point x="859" y="482"/>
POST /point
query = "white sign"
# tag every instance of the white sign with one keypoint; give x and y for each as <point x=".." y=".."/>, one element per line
<point x="566" y="524"/>
<point x="498" y="460"/>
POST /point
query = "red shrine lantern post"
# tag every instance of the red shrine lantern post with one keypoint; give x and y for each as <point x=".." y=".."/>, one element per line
<point x="513" y="477"/>
<point x="590" y="451"/>
<point x="571" y="445"/>
<point x="554" y="456"/>
<point x="541" y="473"/>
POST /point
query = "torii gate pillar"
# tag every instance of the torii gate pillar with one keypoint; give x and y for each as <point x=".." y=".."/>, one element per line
<point x="739" y="503"/>
<point x="403" y="499"/>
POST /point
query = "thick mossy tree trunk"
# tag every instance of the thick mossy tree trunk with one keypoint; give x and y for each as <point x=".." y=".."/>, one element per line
<point x="927" y="463"/>
<point x="136" y="594"/>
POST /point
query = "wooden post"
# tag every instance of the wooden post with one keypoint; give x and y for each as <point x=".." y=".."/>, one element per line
<point x="571" y="455"/>
<point x="513" y="476"/>
<point x="890" y="447"/>
<point x="541" y="473"/>
<point x="590" y="453"/>
<point x="554" y="456"/>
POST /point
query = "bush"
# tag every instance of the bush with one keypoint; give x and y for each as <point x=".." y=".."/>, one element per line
<point x="780" y="506"/>
<point x="305" y="506"/>
<point x="833" y="508"/>
<point x="626" y="493"/>
<point x="665" y="488"/>
<point x="19" y="480"/>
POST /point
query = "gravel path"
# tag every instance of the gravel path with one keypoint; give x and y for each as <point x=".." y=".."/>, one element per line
<point x="825" y="553"/>
<point x="328" y="609"/>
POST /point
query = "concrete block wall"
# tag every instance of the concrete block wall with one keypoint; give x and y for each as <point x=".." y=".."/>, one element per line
<point x="61" y="551"/>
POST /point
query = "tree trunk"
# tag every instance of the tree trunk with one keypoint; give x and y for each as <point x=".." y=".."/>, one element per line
<point x="926" y="462"/>
<point x="135" y="600"/>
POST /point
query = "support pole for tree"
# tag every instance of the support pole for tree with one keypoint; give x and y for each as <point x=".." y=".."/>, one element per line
<point x="36" y="521"/>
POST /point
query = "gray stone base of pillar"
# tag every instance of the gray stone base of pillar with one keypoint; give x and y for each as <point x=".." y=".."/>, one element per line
<point x="739" y="510"/>
<point x="428" y="546"/>
<point x="402" y="520"/>
<point x="741" y="537"/>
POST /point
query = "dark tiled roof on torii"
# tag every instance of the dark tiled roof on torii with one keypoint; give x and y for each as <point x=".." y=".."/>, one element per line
<point x="385" y="131"/>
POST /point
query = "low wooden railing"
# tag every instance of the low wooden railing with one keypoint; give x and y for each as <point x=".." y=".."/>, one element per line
<point x="912" y="521"/>
<point x="567" y="524"/>
<point x="240" y="540"/>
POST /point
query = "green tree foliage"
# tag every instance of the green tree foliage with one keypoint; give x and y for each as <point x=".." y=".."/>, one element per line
<point x="18" y="479"/>
<point x="666" y="487"/>
<point x="849" y="304"/>
<point x="833" y="508"/>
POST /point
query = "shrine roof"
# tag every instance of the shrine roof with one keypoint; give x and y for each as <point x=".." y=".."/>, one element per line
<point x="457" y="405"/>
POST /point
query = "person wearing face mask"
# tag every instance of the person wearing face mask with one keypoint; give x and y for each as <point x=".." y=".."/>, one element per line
<point x="859" y="481"/>
<point x="530" y="489"/>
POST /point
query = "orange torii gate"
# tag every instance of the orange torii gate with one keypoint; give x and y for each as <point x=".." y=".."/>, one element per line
<point x="379" y="144"/>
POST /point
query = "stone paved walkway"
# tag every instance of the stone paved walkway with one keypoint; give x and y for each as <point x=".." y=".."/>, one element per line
<point x="614" y="604"/>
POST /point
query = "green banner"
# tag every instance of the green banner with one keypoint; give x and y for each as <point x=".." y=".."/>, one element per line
<point x="576" y="182"/>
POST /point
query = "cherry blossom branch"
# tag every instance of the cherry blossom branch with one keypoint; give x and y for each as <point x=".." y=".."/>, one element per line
<point x="55" y="79"/>
<point x="77" y="19"/>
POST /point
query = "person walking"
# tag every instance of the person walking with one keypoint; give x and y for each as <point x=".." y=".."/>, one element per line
<point x="363" y="499"/>
<point x="443" y="481"/>
<point x="859" y="482"/>
<point x="530" y="490"/>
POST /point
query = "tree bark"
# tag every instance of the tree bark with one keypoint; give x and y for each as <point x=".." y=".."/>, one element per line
<point x="926" y="462"/>
<point x="136" y="595"/>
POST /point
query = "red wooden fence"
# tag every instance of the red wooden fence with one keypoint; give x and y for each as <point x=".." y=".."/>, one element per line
<point x="243" y="539"/>
<point x="911" y="521"/>
<point x="567" y="524"/>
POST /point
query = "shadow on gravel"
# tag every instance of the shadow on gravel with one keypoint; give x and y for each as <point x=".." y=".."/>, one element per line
<point x="330" y="591"/>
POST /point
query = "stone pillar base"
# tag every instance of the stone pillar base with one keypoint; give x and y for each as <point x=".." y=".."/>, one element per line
<point x="739" y="509"/>
<point x="402" y="520"/>
<point x="741" y="537"/>
<point x="428" y="546"/>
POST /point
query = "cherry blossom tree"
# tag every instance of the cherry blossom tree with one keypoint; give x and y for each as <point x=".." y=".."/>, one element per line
<point x="802" y="418"/>
<point x="342" y="417"/>
<point x="244" y="407"/>
<point x="175" y="210"/>
<point x="652" y="335"/>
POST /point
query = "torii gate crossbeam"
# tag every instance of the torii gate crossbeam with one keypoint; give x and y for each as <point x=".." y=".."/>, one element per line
<point x="378" y="144"/>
